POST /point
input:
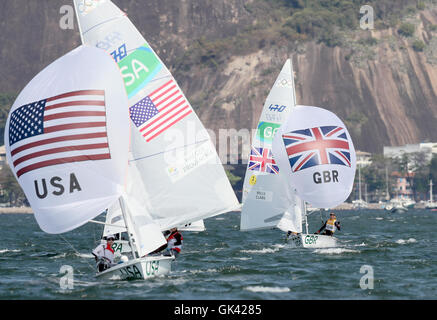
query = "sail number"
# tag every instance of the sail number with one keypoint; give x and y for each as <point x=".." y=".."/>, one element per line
<point x="277" y="107"/>
<point x="132" y="272"/>
<point x="311" y="239"/>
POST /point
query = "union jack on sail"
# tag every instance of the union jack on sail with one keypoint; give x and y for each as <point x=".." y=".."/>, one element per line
<point x="317" y="146"/>
<point x="261" y="159"/>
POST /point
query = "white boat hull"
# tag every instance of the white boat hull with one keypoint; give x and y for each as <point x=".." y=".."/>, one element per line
<point x="312" y="241"/>
<point x="398" y="209"/>
<point x="141" y="268"/>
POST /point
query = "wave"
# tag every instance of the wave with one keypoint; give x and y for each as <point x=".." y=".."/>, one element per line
<point x="267" y="289"/>
<point x="335" y="251"/>
<point x="402" y="241"/>
<point x="7" y="250"/>
<point x="264" y="250"/>
<point x="84" y="255"/>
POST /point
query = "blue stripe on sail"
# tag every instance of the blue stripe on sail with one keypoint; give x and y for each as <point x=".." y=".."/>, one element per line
<point x="306" y="132"/>
<point x="327" y="129"/>
<point x="343" y="136"/>
<point x="347" y="155"/>
<point x="334" y="160"/>
<point x="293" y="160"/>
<point x="313" y="161"/>
<point x="288" y="142"/>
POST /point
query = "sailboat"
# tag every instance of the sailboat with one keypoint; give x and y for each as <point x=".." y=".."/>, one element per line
<point x="359" y="203"/>
<point x="431" y="204"/>
<point x="174" y="172"/>
<point x="67" y="138"/>
<point x="269" y="199"/>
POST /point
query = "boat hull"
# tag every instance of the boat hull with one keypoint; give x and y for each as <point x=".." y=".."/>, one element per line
<point x="398" y="210"/>
<point x="312" y="241"/>
<point x="142" y="268"/>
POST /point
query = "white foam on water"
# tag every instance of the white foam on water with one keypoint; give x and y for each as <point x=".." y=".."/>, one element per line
<point x="402" y="241"/>
<point x="379" y="218"/>
<point x="244" y="258"/>
<point x="7" y="250"/>
<point x="264" y="250"/>
<point x="267" y="289"/>
<point x="335" y="251"/>
<point x="84" y="255"/>
<point x="362" y="244"/>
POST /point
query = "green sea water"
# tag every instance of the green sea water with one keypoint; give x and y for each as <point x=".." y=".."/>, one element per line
<point x="380" y="256"/>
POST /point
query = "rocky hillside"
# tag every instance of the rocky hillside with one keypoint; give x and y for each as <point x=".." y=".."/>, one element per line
<point x="226" y="54"/>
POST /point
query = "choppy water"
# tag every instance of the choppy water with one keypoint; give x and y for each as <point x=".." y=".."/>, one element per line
<point x="224" y="263"/>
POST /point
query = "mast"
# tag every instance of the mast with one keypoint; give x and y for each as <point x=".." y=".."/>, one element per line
<point x="127" y="222"/>
<point x="305" y="215"/>
<point x="80" y="28"/>
<point x="387" y="195"/>
<point x="359" y="182"/>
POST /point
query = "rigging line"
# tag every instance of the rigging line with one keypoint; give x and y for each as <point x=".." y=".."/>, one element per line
<point x="155" y="154"/>
<point x="99" y="24"/>
<point x="77" y="252"/>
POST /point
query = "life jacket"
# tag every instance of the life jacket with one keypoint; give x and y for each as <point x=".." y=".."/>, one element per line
<point x="173" y="243"/>
<point x="105" y="252"/>
<point x="330" y="225"/>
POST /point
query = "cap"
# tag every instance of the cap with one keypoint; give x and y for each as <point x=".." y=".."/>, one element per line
<point x="110" y="236"/>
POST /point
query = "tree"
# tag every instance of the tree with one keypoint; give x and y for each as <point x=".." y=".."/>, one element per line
<point x="11" y="190"/>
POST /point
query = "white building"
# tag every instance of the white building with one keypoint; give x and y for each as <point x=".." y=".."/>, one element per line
<point x="395" y="152"/>
<point x="363" y="158"/>
<point x="2" y="156"/>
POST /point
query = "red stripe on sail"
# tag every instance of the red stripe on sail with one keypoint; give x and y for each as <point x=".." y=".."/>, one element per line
<point x="61" y="161"/>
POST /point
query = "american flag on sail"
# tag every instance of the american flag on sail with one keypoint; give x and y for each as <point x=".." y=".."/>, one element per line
<point x="261" y="159"/>
<point x="160" y="110"/>
<point x="70" y="127"/>
<point x="317" y="146"/>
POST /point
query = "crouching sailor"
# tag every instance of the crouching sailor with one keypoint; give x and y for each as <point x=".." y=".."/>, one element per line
<point x="330" y="225"/>
<point x="174" y="242"/>
<point x="104" y="254"/>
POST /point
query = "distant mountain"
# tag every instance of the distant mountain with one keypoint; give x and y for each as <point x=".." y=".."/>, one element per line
<point x="226" y="54"/>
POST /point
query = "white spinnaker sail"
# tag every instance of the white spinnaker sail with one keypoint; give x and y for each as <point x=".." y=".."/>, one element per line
<point x="292" y="218"/>
<point x="266" y="197"/>
<point x="177" y="164"/>
<point x="316" y="156"/>
<point x="195" y="226"/>
<point x="66" y="139"/>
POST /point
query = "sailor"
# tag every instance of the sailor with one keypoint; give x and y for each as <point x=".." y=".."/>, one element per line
<point x="174" y="242"/>
<point x="291" y="234"/>
<point x="104" y="254"/>
<point x="330" y="225"/>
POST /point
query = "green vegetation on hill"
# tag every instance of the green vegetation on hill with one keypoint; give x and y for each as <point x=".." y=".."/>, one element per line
<point x="285" y="23"/>
<point x="6" y="101"/>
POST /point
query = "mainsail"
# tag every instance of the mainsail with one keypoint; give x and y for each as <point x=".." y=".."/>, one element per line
<point x="66" y="137"/>
<point x="176" y="174"/>
<point x="267" y="200"/>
